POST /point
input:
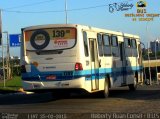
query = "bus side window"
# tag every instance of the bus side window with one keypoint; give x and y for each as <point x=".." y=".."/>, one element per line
<point x="134" y="48"/>
<point x="107" y="45"/>
<point x="115" y="48"/>
<point x="100" y="44"/>
<point x="128" y="45"/>
<point x="85" y="44"/>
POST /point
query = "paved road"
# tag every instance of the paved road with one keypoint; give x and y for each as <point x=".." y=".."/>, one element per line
<point x="145" y="100"/>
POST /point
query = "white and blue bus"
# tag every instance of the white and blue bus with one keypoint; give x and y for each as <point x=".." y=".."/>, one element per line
<point x="77" y="57"/>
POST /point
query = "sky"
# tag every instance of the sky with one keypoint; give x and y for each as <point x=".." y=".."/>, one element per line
<point x="17" y="14"/>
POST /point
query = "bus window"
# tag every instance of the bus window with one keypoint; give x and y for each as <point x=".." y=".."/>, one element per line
<point x="115" y="49"/>
<point x="134" y="44"/>
<point x="107" y="46"/>
<point x="128" y="49"/>
<point x="100" y="44"/>
<point x="128" y="42"/>
<point x="85" y="44"/>
<point x="134" y="48"/>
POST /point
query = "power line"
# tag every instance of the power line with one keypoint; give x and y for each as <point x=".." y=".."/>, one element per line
<point x="85" y="8"/>
<point x="31" y="12"/>
<point x="78" y="9"/>
<point x="69" y="10"/>
<point x="31" y="4"/>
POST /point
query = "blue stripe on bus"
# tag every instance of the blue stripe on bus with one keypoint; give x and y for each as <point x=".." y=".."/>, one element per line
<point x="100" y="73"/>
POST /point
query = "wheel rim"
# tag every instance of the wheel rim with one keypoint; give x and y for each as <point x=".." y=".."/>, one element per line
<point x="135" y="82"/>
<point x="106" y="90"/>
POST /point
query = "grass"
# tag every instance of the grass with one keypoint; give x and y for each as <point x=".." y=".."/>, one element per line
<point x="14" y="84"/>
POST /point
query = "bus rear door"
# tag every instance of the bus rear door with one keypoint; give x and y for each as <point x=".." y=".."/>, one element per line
<point x="123" y="59"/>
<point x="94" y="64"/>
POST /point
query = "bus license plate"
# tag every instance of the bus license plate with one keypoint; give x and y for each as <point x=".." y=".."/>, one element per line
<point x="51" y="77"/>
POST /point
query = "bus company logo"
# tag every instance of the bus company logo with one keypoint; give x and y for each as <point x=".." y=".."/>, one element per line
<point x="60" y="42"/>
<point x="141" y="4"/>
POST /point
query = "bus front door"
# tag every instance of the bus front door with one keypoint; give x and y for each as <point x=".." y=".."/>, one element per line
<point x="94" y="64"/>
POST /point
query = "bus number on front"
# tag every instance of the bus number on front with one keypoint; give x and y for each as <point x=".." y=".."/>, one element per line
<point x="59" y="33"/>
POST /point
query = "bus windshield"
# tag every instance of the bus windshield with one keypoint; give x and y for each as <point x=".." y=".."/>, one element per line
<point x="50" y="39"/>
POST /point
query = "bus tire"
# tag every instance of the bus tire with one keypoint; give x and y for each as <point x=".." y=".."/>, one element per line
<point x="133" y="87"/>
<point x="46" y="40"/>
<point x="105" y="92"/>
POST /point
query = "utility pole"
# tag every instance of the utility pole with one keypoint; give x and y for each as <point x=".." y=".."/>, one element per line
<point x="150" y="80"/>
<point x="156" y="42"/>
<point x="66" y="12"/>
<point x="0" y="27"/>
<point x="8" y="57"/>
<point x="1" y="43"/>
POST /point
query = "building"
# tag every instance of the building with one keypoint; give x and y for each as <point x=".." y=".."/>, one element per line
<point x="155" y="45"/>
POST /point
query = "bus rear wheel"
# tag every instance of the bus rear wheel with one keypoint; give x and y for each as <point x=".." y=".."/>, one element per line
<point x="133" y="87"/>
<point x="105" y="92"/>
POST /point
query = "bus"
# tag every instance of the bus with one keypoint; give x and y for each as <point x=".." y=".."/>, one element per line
<point x="76" y="57"/>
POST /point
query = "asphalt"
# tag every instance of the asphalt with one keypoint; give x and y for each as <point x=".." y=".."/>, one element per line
<point x="16" y="97"/>
<point x="8" y="97"/>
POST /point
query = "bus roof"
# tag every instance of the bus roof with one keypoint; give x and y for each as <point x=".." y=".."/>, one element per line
<point x="49" y="26"/>
<point x="84" y="27"/>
